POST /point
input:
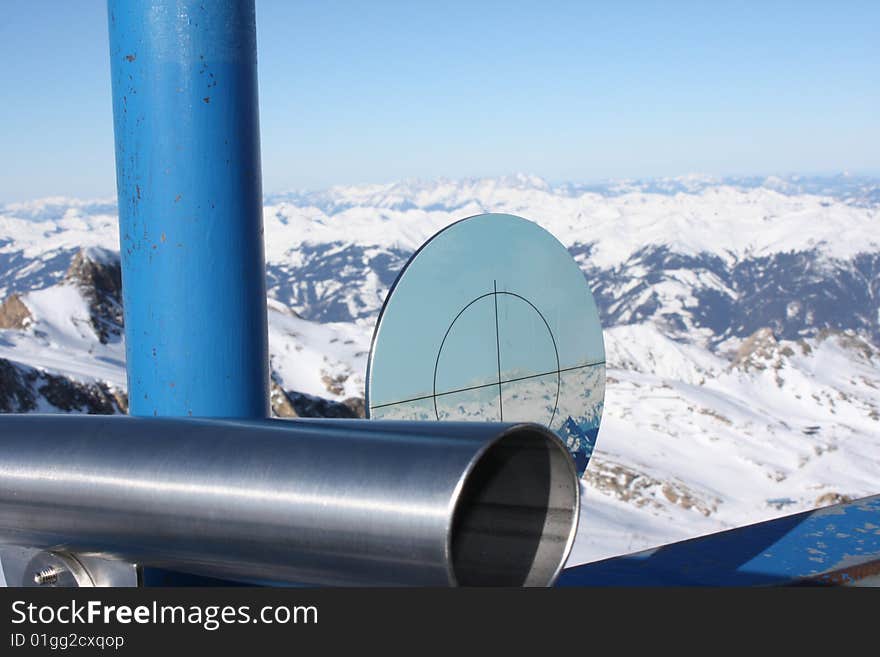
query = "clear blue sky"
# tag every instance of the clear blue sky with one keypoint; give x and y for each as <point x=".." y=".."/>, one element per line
<point x="376" y="91"/>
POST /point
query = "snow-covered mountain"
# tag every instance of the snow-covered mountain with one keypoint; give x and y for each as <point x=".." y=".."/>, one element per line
<point x="742" y="322"/>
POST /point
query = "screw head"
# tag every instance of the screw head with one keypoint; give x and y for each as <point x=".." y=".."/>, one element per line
<point x="55" y="569"/>
<point x="47" y="576"/>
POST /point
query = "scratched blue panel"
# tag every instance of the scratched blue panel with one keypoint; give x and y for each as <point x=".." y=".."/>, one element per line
<point x="188" y="176"/>
<point x="828" y="546"/>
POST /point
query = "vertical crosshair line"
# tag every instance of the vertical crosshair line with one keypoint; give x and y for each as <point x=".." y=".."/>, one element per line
<point x="498" y="350"/>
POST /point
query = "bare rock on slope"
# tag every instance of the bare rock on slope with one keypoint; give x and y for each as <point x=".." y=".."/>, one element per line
<point x="16" y="388"/>
<point x="14" y="314"/>
<point x="98" y="274"/>
<point x="758" y="352"/>
<point x="280" y="402"/>
<point x="296" y="404"/>
<point x="640" y="489"/>
<point x="24" y="389"/>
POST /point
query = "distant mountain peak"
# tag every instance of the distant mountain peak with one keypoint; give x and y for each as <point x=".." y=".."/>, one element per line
<point x="741" y="321"/>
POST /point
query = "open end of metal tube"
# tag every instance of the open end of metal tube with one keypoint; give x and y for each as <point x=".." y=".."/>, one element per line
<point x="515" y="520"/>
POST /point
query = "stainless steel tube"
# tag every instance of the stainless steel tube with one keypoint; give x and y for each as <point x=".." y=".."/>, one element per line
<point x="326" y="502"/>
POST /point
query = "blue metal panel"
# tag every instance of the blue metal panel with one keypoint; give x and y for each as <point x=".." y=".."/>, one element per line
<point x="188" y="175"/>
<point x="836" y="545"/>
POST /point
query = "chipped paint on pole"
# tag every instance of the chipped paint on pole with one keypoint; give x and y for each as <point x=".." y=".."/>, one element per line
<point x="190" y="210"/>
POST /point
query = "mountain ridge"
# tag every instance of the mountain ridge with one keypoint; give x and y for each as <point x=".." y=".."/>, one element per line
<point x="741" y="326"/>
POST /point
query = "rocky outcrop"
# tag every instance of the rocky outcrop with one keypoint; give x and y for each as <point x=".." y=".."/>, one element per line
<point x="280" y="402"/>
<point x="16" y="388"/>
<point x="24" y="389"/>
<point x="98" y="274"/>
<point x="758" y="351"/>
<point x="827" y="499"/>
<point x="641" y="489"/>
<point x="14" y="314"/>
<point x="335" y="384"/>
<point x="855" y="344"/>
<point x="761" y="351"/>
<point x="357" y="405"/>
<point x="72" y="396"/>
<point x="312" y="406"/>
<point x="297" y="404"/>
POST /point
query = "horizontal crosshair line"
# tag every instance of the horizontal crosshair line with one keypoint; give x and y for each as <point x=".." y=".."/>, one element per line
<point x="489" y="385"/>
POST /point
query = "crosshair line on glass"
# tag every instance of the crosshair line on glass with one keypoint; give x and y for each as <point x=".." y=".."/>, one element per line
<point x="492" y="384"/>
<point x="500" y="382"/>
<point x="498" y="351"/>
<point x="494" y="293"/>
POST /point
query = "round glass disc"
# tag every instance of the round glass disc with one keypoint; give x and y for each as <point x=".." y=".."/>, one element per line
<point x="491" y="320"/>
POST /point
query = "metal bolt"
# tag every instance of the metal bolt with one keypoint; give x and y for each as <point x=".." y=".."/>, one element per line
<point x="47" y="575"/>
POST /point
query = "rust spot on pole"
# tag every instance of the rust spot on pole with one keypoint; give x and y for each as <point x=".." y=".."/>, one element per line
<point x="130" y="58"/>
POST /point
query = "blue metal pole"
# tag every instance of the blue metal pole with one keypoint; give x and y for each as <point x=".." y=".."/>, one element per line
<point x="190" y="209"/>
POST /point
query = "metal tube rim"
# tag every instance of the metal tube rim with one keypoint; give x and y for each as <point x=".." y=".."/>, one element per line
<point x="556" y="442"/>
